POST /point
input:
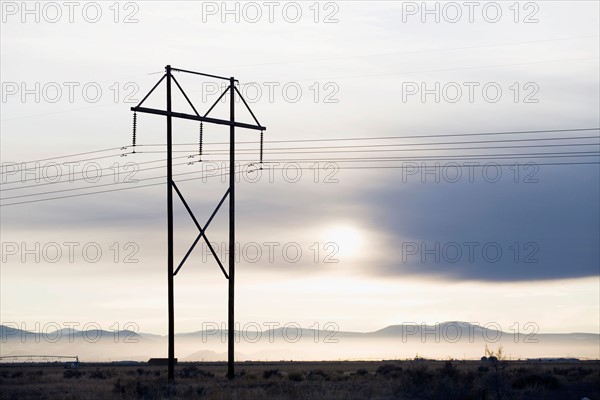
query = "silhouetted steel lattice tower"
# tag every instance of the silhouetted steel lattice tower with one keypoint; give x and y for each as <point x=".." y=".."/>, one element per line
<point x="230" y="274"/>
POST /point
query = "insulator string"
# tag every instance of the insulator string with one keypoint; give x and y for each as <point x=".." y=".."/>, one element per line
<point x="200" y="140"/>
<point x="261" y="147"/>
<point x="134" y="130"/>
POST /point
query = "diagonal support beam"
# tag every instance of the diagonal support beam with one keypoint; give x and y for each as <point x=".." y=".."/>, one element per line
<point x="152" y="90"/>
<point x="187" y="207"/>
<point x="202" y="230"/>
<point x="188" y="254"/>
<point x="216" y="102"/>
<point x="212" y="250"/>
<point x="247" y="106"/>
<point x="185" y="95"/>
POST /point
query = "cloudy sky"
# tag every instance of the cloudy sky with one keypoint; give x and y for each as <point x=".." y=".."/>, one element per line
<point x="363" y="214"/>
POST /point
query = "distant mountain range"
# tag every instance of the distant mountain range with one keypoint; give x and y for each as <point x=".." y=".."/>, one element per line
<point x="448" y="339"/>
<point x="8" y="333"/>
<point x="450" y="331"/>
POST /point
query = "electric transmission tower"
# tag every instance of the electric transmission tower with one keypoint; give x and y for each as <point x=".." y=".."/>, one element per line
<point x="171" y="272"/>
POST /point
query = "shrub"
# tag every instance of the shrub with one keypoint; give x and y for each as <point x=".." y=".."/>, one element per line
<point x="98" y="374"/>
<point x="573" y="374"/>
<point x="546" y="381"/>
<point x="419" y="376"/>
<point x="271" y="372"/>
<point x="389" y="370"/>
<point x="317" y="375"/>
<point x="141" y="390"/>
<point x="118" y="387"/>
<point x="449" y="370"/>
<point x="296" y="376"/>
<point x="71" y="373"/>
<point x="250" y="376"/>
<point x="194" y="372"/>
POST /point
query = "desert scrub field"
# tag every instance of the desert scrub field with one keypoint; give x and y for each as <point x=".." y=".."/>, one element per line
<point x="308" y="380"/>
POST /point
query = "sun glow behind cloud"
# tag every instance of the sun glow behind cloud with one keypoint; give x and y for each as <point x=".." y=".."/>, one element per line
<point x="346" y="238"/>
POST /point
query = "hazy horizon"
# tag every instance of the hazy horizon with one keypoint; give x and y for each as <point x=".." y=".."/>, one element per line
<point x="452" y="340"/>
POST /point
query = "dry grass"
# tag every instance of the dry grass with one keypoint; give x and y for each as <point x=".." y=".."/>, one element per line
<point x="308" y="380"/>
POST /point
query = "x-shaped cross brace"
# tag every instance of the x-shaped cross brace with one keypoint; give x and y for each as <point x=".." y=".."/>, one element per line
<point x="202" y="230"/>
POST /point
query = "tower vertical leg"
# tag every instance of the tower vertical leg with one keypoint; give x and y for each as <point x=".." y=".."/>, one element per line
<point x="171" y="373"/>
<point x="231" y="319"/>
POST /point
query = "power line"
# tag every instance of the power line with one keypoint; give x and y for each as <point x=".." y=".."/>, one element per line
<point x="461" y="156"/>
<point x="359" y="139"/>
<point x="404" y="144"/>
<point x="537" y="155"/>
<point x="549" y="155"/>
<point x="343" y="149"/>
<point x="341" y="139"/>
<point x="302" y="168"/>
<point x="70" y="162"/>
<point x="101" y="169"/>
<point x="96" y="186"/>
<point x="98" y="192"/>
<point x="313" y="151"/>
<point x="344" y="139"/>
<point x="74" y="155"/>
